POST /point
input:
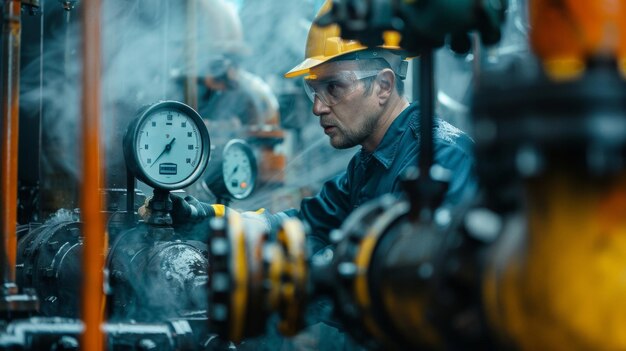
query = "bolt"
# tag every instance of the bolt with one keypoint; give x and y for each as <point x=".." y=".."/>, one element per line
<point x="425" y="270"/>
<point x="220" y="282"/>
<point x="219" y="246"/>
<point x="219" y="312"/>
<point x="53" y="245"/>
<point x="336" y="236"/>
<point x="47" y="272"/>
<point x="66" y="343"/>
<point x="217" y="223"/>
<point x="118" y="275"/>
<point x="347" y="269"/>
<point x="146" y="345"/>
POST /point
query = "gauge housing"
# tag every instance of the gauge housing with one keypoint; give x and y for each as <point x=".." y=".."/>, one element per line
<point x="131" y="148"/>
<point x="215" y="180"/>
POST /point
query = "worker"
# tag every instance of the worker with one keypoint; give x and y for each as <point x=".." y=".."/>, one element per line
<point x="234" y="102"/>
<point x="357" y="93"/>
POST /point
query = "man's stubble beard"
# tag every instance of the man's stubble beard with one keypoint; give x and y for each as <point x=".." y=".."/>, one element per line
<point x="350" y="139"/>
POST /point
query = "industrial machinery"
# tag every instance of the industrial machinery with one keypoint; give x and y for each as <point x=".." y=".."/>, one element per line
<point x="535" y="262"/>
<point x="103" y="275"/>
<point x="155" y="273"/>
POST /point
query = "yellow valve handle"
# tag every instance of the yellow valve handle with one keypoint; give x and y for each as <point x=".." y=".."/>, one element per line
<point x="220" y="210"/>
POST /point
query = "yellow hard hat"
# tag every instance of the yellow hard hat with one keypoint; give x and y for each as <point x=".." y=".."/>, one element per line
<point x="325" y="43"/>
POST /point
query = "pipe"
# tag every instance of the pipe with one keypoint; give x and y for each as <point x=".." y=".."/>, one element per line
<point x="427" y="101"/>
<point x="11" y="35"/>
<point x="93" y="256"/>
<point x="191" y="48"/>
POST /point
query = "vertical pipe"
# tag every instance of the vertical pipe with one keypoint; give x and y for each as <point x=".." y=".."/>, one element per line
<point x="11" y="35"/>
<point x="191" y="78"/>
<point x="130" y="198"/>
<point x="427" y="101"/>
<point x="93" y="257"/>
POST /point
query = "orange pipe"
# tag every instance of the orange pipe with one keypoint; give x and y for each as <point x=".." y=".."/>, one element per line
<point x="94" y="231"/>
<point x="10" y="125"/>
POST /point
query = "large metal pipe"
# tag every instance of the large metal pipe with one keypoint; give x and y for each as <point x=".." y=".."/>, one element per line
<point x="11" y="34"/>
<point x="94" y="231"/>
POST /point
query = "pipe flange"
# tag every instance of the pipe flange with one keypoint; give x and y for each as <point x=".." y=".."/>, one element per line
<point x="361" y="233"/>
<point x="219" y="280"/>
<point x="293" y="277"/>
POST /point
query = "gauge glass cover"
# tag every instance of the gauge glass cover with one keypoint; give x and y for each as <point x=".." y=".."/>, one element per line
<point x="169" y="146"/>
<point x="238" y="170"/>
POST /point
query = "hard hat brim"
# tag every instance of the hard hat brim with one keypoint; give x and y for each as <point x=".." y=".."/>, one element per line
<point x="305" y="66"/>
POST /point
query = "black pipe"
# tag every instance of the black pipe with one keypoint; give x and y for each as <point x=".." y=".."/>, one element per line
<point x="426" y="80"/>
<point x="63" y="334"/>
<point x="130" y="198"/>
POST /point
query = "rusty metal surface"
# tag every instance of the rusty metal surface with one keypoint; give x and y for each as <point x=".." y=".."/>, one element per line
<point x="10" y="118"/>
<point x="94" y="248"/>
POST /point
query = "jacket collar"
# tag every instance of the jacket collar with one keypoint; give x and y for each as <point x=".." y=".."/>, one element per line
<point x="387" y="150"/>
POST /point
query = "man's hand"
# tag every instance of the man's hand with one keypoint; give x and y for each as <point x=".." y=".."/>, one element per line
<point x="190" y="209"/>
<point x="186" y="210"/>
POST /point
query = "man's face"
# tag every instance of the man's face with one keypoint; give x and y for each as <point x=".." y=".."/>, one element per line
<point x="353" y="115"/>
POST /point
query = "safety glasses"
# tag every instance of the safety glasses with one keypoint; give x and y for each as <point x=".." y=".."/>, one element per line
<point x="334" y="89"/>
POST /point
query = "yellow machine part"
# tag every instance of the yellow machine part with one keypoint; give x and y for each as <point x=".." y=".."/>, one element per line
<point x="240" y="276"/>
<point x="560" y="284"/>
<point x="566" y="33"/>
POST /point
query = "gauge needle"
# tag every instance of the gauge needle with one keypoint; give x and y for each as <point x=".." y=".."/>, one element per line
<point x="168" y="147"/>
<point x="234" y="171"/>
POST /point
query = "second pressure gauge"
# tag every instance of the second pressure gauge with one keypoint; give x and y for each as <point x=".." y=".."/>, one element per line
<point x="232" y="175"/>
<point x="167" y="145"/>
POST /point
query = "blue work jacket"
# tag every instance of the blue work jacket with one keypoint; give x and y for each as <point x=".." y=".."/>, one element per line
<point x="371" y="175"/>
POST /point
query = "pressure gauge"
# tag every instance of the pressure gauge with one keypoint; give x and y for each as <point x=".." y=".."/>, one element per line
<point x="167" y="146"/>
<point x="232" y="174"/>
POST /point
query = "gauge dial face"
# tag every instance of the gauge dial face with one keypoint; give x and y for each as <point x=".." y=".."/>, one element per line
<point x="167" y="146"/>
<point x="239" y="169"/>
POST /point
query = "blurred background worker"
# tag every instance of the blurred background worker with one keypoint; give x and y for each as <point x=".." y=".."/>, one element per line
<point x="235" y="103"/>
